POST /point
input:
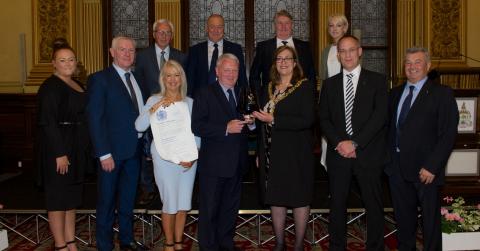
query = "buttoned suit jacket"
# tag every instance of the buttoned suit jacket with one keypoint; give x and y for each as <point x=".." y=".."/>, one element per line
<point x="428" y="133"/>
<point x="221" y="155"/>
<point x="111" y="115"/>
<point x="369" y="119"/>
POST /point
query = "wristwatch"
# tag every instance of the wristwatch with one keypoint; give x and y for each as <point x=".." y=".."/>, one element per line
<point x="354" y="144"/>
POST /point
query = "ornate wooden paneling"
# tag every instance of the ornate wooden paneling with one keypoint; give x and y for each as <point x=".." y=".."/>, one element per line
<point x="17" y="130"/>
<point x="446" y="30"/>
<point x="405" y="31"/>
<point x="51" y="19"/>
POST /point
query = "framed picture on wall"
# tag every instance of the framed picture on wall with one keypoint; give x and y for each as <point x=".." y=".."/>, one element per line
<point x="463" y="162"/>
<point x="467" y="108"/>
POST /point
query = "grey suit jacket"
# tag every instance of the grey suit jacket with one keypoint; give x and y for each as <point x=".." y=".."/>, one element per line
<point x="147" y="69"/>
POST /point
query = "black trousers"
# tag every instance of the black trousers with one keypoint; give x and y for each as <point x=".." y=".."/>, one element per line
<point x="370" y="184"/>
<point x="219" y="201"/>
<point x="406" y="197"/>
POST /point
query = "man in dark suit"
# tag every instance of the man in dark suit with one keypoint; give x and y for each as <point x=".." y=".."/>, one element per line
<point x="200" y="69"/>
<point x="353" y="115"/>
<point x="423" y="127"/>
<point x="263" y="60"/>
<point x="114" y="101"/>
<point x="149" y="62"/>
<point x="223" y="156"/>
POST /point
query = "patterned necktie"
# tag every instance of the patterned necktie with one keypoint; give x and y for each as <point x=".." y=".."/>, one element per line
<point x="231" y="101"/>
<point x="212" y="76"/>
<point x="162" y="59"/>
<point x="133" y="95"/>
<point x="284" y="42"/>
<point x="349" y="97"/>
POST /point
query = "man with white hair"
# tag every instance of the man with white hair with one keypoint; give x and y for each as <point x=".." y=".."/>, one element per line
<point x="114" y="101"/>
<point x="148" y="65"/>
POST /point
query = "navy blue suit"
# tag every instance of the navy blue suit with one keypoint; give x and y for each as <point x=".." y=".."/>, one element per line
<point x="147" y="69"/>
<point x="263" y="60"/>
<point x="111" y="116"/>
<point x="197" y="65"/>
<point x="221" y="164"/>
<point x="426" y="141"/>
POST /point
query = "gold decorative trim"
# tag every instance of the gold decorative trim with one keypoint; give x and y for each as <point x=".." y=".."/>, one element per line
<point x="51" y="19"/>
<point x="445" y="27"/>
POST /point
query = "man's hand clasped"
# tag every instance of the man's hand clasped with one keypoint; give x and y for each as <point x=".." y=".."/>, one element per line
<point x="346" y="149"/>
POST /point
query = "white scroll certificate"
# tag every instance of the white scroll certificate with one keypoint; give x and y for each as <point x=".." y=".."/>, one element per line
<point x="172" y="133"/>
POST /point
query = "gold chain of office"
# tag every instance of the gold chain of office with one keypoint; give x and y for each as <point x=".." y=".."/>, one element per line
<point x="282" y="96"/>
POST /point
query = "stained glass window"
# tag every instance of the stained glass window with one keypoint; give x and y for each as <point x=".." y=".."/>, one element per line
<point x="130" y="18"/>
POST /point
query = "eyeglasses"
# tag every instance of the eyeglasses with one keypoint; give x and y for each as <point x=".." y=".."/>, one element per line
<point x="164" y="33"/>
<point x="280" y="60"/>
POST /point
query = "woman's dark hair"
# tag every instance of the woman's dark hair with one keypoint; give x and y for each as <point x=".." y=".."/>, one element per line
<point x="60" y="44"/>
<point x="297" y="69"/>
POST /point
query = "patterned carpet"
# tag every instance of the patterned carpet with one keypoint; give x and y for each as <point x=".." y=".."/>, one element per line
<point x="248" y="230"/>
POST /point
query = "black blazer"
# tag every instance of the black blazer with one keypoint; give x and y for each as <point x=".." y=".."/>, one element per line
<point x="197" y="65"/>
<point x="429" y="132"/>
<point x="220" y="155"/>
<point x="369" y="119"/>
<point x="147" y="70"/>
<point x="263" y="60"/>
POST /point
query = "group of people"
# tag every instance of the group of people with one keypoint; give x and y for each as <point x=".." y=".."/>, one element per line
<point x="408" y="133"/>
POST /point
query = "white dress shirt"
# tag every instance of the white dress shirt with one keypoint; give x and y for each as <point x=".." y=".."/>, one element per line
<point x="289" y="42"/>
<point x="333" y="65"/>
<point x="158" y="52"/>
<point x="211" y="48"/>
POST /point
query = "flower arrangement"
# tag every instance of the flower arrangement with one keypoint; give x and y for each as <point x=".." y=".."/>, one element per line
<point x="459" y="218"/>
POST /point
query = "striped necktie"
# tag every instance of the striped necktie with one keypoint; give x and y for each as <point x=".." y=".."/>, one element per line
<point x="349" y="97"/>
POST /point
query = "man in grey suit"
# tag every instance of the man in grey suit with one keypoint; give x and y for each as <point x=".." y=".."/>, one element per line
<point x="148" y="65"/>
<point x="150" y="60"/>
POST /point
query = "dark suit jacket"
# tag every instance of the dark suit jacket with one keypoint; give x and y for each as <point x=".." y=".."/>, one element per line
<point x="369" y="119"/>
<point x="429" y="132"/>
<point x="111" y="115"/>
<point x="260" y="70"/>
<point x="197" y="65"/>
<point x="220" y="155"/>
<point x="146" y="67"/>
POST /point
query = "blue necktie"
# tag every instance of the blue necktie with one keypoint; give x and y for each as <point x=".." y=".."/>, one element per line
<point x="404" y="112"/>
<point x="231" y="101"/>
<point x="405" y="108"/>
<point x="212" y="76"/>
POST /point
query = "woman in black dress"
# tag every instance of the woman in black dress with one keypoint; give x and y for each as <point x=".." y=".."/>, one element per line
<point x="63" y="145"/>
<point x="285" y="151"/>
